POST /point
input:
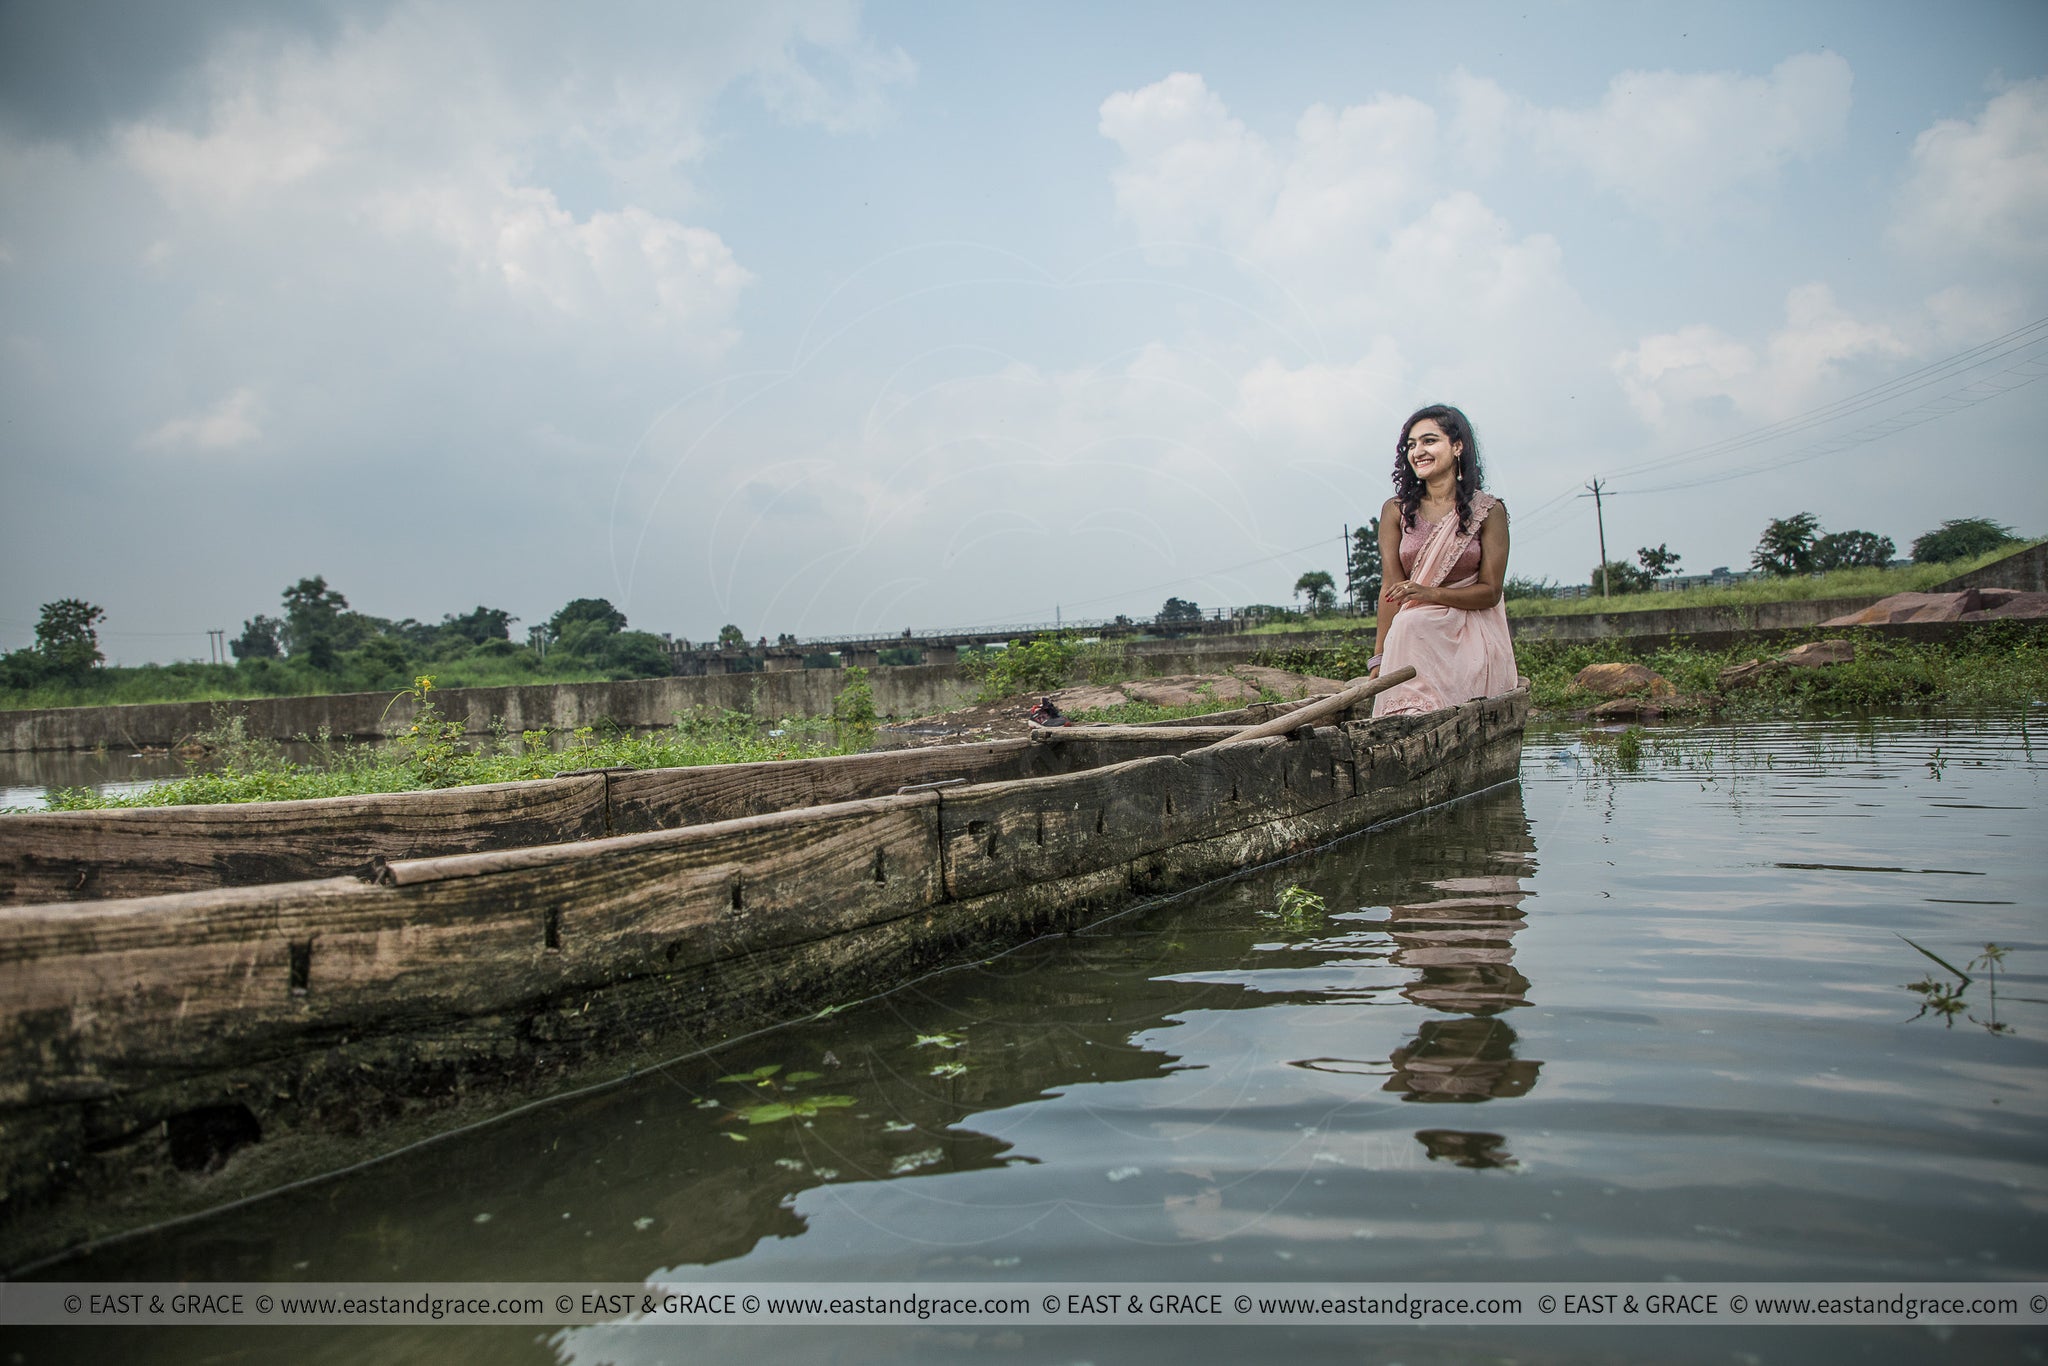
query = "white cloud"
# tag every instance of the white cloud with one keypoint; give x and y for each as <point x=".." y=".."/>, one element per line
<point x="1702" y="371"/>
<point x="228" y="425"/>
<point x="1354" y="173"/>
<point x="1323" y="409"/>
<point x="1412" y="289"/>
<point x="1979" y="187"/>
<point x="1679" y="147"/>
<point x="1189" y="166"/>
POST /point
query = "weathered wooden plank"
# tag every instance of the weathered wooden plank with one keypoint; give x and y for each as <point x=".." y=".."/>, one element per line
<point x="661" y="799"/>
<point x="203" y="980"/>
<point x="1475" y="748"/>
<point x="1010" y="834"/>
<point x="144" y="851"/>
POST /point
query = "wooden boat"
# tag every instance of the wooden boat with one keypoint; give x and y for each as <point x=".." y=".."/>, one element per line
<point x="262" y="992"/>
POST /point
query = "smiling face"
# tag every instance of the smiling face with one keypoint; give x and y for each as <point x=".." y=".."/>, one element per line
<point x="1430" y="451"/>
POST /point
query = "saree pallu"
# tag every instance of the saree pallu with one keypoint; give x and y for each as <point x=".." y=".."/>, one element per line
<point x="1458" y="655"/>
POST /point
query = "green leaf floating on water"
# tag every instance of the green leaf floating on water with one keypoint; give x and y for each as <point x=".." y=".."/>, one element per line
<point x="806" y="1108"/>
<point x="758" y="1077"/>
<point x="795" y="1078"/>
<point x="939" y="1041"/>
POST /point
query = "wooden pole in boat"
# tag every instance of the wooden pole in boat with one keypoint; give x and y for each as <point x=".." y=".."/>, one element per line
<point x="1317" y="711"/>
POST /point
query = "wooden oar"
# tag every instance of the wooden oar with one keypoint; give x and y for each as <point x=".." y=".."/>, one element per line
<point x="1317" y="711"/>
<point x="1053" y="735"/>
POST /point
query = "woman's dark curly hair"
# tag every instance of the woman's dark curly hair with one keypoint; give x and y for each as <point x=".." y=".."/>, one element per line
<point x="1409" y="489"/>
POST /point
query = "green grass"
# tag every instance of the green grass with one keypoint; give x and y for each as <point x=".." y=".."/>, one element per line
<point x="433" y="756"/>
<point x="116" y="685"/>
<point x="1998" y="664"/>
<point x="1840" y="583"/>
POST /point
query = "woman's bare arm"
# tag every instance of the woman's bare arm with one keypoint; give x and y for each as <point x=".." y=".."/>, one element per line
<point x="1390" y="573"/>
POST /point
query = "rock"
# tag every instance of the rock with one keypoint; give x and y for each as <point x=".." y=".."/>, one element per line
<point x="1288" y="685"/>
<point x="1744" y="674"/>
<point x="1645" y="708"/>
<point x="1613" y="680"/>
<point x="1818" y="654"/>
<point x="2010" y="605"/>
<point x="1914" y="607"/>
<point x="1186" y="689"/>
<point x="1089" y="697"/>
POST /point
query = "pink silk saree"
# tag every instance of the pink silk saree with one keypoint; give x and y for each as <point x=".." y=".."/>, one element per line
<point x="1458" y="655"/>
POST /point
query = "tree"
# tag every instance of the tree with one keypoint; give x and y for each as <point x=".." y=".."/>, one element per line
<point x="1527" y="588"/>
<point x="1362" y="572"/>
<point x="584" y="628"/>
<point x="66" y="640"/>
<point x="1786" y="547"/>
<point x="731" y="637"/>
<point x="636" y="654"/>
<point x="1852" y="550"/>
<point x="1179" y="612"/>
<point x="586" y="611"/>
<point x="1318" y="589"/>
<point x="1961" y="538"/>
<point x="485" y="623"/>
<point x="259" y="638"/>
<point x="1623" y="577"/>
<point x="1658" y="562"/>
<point x="312" y="622"/>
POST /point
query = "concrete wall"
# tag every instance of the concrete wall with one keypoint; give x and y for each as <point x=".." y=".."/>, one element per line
<point x="1686" y="621"/>
<point x="2026" y="570"/>
<point x="914" y="690"/>
<point x="906" y="690"/>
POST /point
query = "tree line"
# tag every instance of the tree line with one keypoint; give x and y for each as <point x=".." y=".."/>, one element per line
<point x="317" y="642"/>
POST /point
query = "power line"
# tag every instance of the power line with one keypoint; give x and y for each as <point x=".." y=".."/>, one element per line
<point x="2018" y="340"/>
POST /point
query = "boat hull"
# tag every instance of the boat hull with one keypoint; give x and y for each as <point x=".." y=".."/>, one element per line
<point x="169" y="1052"/>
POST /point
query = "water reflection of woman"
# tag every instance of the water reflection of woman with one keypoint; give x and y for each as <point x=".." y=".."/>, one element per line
<point x="1444" y="548"/>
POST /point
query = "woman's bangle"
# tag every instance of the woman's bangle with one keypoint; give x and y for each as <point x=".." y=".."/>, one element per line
<point x="1373" y="663"/>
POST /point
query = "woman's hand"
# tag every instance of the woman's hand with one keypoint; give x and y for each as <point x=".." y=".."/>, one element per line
<point x="1408" y="592"/>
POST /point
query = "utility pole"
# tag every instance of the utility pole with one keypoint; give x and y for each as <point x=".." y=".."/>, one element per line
<point x="217" y="646"/>
<point x="1600" y="520"/>
<point x="1344" y="558"/>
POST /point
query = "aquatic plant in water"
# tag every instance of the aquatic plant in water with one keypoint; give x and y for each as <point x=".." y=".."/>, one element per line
<point x="1298" y="910"/>
<point x="1949" y="999"/>
<point x="787" y="1105"/>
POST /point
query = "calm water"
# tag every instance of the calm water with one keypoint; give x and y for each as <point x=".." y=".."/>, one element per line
<point x="1601" y="1025"/>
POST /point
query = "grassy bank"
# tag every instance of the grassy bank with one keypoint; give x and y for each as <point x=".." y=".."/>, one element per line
<point x="2001" y="664"/>
<point x="116" y="685"/>
<point x="436" y="755"/>
<point x="1838" y="583"/>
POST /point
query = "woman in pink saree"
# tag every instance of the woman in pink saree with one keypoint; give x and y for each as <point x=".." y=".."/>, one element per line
<point x="1444" y="552"/>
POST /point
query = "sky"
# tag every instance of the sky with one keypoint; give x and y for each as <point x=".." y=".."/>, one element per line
<point x="834" y="319"/>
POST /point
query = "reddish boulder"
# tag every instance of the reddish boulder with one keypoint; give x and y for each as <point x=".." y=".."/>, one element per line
<point x="1187" y="689"/>
<point x="1914" y="607"/>
<point x="1743" y="674"/>
<point x="1818" y="654"/>
<point x="1616" y="680"/>
<point x="1288" y="685"/>
<point x="2010" y="604"/>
